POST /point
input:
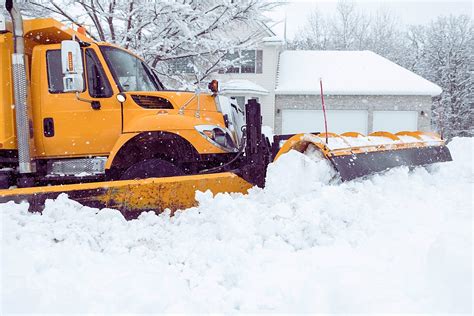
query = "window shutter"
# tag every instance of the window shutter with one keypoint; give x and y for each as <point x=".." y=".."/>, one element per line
<point x="259" y="61"/>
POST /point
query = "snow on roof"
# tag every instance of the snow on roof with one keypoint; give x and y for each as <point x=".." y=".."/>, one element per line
<point x="347" y="73"/>
<point x="241" y="86"/>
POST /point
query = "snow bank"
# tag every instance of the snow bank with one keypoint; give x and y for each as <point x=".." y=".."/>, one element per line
<point x="398" y="242"/>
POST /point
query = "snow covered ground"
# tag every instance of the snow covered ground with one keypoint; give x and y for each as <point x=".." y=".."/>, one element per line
<point x="398" y="242"/>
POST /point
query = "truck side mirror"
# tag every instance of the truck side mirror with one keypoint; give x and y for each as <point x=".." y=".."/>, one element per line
<point x="71" y="61"/>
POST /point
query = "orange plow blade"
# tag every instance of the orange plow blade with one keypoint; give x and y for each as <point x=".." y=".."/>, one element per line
<point x="354" y="155"/>
<point x="132" y="197"/>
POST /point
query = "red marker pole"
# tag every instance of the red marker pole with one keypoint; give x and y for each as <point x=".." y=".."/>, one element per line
<point x="324" y="109"/>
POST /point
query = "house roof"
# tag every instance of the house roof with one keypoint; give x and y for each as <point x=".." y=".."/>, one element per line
<point x="347" y="73"/>
<point x="241" y="86"/>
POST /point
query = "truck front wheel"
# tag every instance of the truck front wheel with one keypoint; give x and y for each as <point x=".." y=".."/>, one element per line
<point x="151" y="168"/>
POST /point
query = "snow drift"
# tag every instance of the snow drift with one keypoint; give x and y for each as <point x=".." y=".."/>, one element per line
<point x="397" y="242"/>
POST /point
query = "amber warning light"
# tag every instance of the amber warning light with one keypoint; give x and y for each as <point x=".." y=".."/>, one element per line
<point x="81" y="30"/>
<point x="70" y="63"/>
<point x="213" y="86"/>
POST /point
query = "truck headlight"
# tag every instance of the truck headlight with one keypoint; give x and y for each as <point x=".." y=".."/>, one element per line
<point x="218" y="136"/>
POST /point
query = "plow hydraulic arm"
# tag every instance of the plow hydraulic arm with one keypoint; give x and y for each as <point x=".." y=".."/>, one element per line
<point x="351" y="154"/>
<point x="253" y="168"/>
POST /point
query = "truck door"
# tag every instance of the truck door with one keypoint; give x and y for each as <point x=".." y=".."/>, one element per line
<point x="75" y="127"/>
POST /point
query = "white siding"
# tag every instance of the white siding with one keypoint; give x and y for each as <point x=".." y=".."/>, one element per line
<point x="267" y="79"/>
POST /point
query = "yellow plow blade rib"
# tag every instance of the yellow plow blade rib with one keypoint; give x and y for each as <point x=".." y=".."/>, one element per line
<point x="354" y="155"/>
<point x="132" y="197"/>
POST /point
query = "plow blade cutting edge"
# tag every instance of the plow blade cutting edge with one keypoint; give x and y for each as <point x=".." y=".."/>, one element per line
<point x="354" y="155"/>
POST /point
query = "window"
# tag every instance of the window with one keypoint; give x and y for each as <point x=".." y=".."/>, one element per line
<point x="99" y="86"/>
<point x="182" y="65"/>
<point x="240" y="101"/>
<point x="130" y="72"/>
<point x="259" y="61"/>
<point x="251" y="62"/>
<point x="248" y="62"/>
<point x="55" y="71"/>
<point x="235" y="68"/>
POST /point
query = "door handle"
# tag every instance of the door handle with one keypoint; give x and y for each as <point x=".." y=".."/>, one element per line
<point x="48" y="127"/>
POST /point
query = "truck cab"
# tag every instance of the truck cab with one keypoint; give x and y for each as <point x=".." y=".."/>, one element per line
<point x="96" y="111"/>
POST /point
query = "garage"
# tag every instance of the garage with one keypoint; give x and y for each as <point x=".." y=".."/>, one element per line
<point x="395" y="121"/>
<point x="339" y="121"/>
<point x="359" y="87"/>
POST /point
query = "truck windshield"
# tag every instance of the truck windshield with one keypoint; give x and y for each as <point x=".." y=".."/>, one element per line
<point x="130" y="73"/>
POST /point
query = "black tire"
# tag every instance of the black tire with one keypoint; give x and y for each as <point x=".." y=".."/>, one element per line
<point x="152" y="168"/>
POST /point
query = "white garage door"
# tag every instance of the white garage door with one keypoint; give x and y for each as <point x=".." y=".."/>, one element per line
<point x="395" y="121"/>
<point x="339" y="121"/>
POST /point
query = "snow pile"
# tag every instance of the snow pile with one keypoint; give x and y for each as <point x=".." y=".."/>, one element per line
<point x="347" y="73"/>
<point x="398" y="242"/>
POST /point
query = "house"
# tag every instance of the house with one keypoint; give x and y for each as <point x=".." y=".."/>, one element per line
<point x="252" y="74"/>
<point x="255" y="76"/>
<point x="363" y="92"/>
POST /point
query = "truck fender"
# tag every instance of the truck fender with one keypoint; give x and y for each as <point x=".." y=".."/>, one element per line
<point x="118" y="145"/>
<point x="141" y="146"/>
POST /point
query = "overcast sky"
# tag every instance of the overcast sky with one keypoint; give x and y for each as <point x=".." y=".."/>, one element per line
<point x="409" y="11"/>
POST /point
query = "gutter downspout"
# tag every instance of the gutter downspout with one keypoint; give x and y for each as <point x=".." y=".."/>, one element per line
<point x="24" y="125"/>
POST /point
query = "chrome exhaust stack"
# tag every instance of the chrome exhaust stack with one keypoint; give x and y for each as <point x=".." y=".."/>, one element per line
<point x="24" y="124"/>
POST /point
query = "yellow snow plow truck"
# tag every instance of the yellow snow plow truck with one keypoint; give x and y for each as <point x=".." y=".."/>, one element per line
<point x="94" y="121"/>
